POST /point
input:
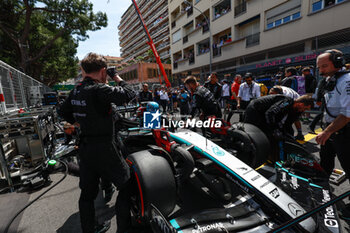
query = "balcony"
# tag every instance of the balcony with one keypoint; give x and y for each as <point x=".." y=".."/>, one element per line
<point x="241" y="8"/>
<point x="253" y="39"/>
<point x="173" y="24"/>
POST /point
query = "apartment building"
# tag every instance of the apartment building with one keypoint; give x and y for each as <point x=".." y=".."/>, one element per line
<point x="133" y="41"/>
<point x="259" y="36"/>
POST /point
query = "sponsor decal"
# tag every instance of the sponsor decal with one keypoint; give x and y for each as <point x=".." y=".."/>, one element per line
<point x="284" y="177"/>
<point x="237" y="183"/>
<point x="264" y="184"/>
<point x="304" y="161"/>
<point x="242" y="168"/>
<point x="250" y="170"/>
<point x="329" y="216"/>
<point x="294" y="183"/>
<point x="78" y="102"/>
<point x="208" y="227"/>
<point x="295" y="209"/>
<point x="255" y="178"/>
<point x="217" y="151"/>
<point x="274" y="193"/>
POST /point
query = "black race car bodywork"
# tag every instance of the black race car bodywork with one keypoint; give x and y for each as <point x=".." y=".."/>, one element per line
<point x="184" y="182"/>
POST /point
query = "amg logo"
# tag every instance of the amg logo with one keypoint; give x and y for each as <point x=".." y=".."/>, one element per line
<point x="274" y="193"/>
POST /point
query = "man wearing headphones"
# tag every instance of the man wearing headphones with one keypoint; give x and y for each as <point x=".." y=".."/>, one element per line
<point x="334" y="140"/>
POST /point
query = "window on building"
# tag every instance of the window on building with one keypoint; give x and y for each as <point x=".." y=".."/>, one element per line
<point x="203" y="47"/>
<point x="222" y="8"/>
<point x="278" y="22"/>
<point x="317" y="6"/>
<point x="321" y="4"/>
<point x="270" y="25"/>
<point x="176" y="36"/>
<point x="283" y="13"/>
<point x="296" y="15"/>
<point x="286" y="19"/>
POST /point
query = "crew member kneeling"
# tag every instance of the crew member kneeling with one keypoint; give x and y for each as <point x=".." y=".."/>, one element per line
<point x="89" y="104"/>
<point x="275" y="115"/>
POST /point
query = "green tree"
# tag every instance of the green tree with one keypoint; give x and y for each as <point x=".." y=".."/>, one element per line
<point x="42" y="35"/>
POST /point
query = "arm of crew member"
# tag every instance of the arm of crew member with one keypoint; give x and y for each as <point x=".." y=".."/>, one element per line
<point x="196" y="103"/>
<point x="66" y="110"/>
<point x="336" y="125"/>
<point x="239" y="98"/>
<point x="238" y="102"/>
<point x="118" y="95"/>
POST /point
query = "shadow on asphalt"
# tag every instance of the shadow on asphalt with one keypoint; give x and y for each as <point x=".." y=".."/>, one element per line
<point x="103" y="212"/>
<point x="71" y="225"/>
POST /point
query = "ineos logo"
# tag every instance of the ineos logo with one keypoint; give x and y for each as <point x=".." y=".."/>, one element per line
<point x="331" y="223"/>
<point x="295" y="209"/>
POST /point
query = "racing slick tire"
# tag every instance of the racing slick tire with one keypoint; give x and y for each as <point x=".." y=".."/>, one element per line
<point x="154" y="183"/>
<point x="253" y="145"/>
<point x="183" y="160"/>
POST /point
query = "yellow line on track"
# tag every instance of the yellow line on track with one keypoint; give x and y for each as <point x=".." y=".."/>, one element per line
<point x="310" y="136"/>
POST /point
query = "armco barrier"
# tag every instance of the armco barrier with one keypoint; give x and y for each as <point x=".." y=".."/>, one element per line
<point x="18" y="90"/>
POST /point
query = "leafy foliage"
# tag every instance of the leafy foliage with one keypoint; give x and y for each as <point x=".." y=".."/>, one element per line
<point x="40" y="37"/>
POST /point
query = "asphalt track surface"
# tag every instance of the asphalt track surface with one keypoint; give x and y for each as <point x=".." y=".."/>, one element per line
<point x="57" y="211"/>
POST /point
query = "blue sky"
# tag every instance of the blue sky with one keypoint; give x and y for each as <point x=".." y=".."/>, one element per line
<point x="106" y="40"/>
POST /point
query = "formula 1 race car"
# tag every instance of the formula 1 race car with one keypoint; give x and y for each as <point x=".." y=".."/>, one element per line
<point x="183" y="182"/>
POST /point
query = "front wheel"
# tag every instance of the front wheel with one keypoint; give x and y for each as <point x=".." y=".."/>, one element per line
<point x="154" y="183"/>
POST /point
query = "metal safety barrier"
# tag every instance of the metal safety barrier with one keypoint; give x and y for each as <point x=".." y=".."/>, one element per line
<point x="18" y="90"/>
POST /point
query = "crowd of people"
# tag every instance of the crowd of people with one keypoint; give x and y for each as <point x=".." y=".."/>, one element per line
<point x="89" y="105"/>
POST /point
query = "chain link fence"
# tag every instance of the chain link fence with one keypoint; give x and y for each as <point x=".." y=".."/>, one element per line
<point x="18" y="90"/>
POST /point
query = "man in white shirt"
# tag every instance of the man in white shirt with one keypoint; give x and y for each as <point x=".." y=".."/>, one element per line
<point x="334" y="140"/>
<point x="247" y="91"/>
<point x="225" y="93"/>
<point x="164" y="99"/>
<point x="286" y="91"/>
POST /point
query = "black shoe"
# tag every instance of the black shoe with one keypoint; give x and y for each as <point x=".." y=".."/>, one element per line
<point x="311" y="130"/>
<point x="299" y="137"/>
<point x="108" y="194"/>
<point x="101" y="228"/>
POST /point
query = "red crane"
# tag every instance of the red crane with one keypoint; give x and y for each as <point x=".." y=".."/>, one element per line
<point x="153" y="47"/>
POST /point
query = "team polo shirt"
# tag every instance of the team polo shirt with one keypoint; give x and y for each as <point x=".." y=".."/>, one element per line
<point x="338" y="100"/>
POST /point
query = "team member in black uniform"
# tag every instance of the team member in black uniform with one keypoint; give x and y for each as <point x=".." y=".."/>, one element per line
<point x="334" y="140"/>
<point x="214" y="86"/>
<point x="145" y="94"/>
<point x="203" y="100"/>
<point x="89" y="104"/>
<point x="275" y="115"/>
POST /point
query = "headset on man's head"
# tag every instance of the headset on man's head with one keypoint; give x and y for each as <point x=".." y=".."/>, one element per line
<point x="338" y="61"/>
<point x="336" y="57"/>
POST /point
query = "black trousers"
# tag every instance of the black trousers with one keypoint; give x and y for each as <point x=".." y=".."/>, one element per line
<point x="337" y="145"/>
<point x="100" y="160"/>
<point x="163" y="103"/>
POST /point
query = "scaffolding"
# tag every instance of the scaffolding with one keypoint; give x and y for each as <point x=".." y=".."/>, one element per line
<point x="18" y="90"/>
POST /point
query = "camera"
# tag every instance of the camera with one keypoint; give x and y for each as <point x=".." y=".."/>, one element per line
<point x="111" y="71"/>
